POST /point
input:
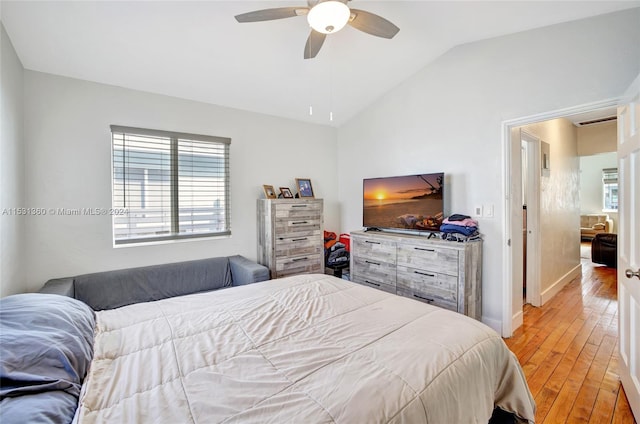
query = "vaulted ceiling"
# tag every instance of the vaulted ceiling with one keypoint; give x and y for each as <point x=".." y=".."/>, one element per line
<point x="196" y="50"/>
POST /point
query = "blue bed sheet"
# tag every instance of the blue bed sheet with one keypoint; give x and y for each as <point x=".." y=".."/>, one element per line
<point x="46" y="346"/>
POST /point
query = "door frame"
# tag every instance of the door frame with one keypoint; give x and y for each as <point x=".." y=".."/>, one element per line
<point x="511" y="173"/>
<point x="532" y="189"/>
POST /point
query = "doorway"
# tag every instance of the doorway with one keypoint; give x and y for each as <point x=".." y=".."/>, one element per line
<point x="530" y="163"/>
<point x="513" y="250"/>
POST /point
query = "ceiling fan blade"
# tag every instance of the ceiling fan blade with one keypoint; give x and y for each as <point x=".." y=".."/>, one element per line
<point x="372" y="24"/>
<point x="271" y="14"/>
<point x="314" y="43"/>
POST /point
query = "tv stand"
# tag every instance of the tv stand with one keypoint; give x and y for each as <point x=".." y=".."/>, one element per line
<point x="442" y="273"/>
<point x="369" y="229"/>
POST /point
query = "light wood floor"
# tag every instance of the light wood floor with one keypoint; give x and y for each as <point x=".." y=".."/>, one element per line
<point x="569" y="352"/>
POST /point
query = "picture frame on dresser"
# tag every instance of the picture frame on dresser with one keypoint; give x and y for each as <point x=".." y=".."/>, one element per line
<point x="269" y="191"/>
<point x="285" y="192"/>
<point x="305" y="189"/>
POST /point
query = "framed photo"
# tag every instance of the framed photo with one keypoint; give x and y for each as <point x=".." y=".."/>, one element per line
<point x="286" y="193"/>
<point x="304" y="187"/>
<point x="269" y="192"/>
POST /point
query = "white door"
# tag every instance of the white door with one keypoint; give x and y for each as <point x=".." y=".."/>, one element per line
<point x="629" y="245"/>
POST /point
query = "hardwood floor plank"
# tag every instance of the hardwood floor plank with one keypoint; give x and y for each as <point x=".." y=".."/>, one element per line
<point x="544" y="401"/>
<point x="539" y="377"/>
<point x="603" y="408"/>
<point x="601" y="361"/>
<point x="622" y="412"/>
<point x="583" y="406"/>
<point x="571" y="386"/>
<point x="611" y="380"/>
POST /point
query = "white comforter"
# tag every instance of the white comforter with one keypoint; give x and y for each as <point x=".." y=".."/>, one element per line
<point x="304" y="349"/>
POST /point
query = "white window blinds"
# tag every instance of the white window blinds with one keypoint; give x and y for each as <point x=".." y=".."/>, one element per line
<point x="173" y="185"/>
<point x="610" y="189"/>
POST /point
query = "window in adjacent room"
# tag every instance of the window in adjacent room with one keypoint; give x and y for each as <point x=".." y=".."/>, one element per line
<point x="169" y="185"/>
<point x="610" y="189"/>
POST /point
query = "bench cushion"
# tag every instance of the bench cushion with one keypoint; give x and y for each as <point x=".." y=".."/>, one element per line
<point x="113" y="289"/>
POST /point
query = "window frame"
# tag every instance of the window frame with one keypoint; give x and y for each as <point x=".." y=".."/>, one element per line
<point x="174" y="207"/>
<point x="609" y="178"/>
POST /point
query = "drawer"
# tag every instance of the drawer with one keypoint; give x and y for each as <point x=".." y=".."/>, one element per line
<point x="375" y="284"/>
<point x="303" y="244"/>
<point x="431" y="300"/>
<point x="379" y="250"/>
<point x="431" y="258"/>
<point x="373" y="270"/>
<point x="298" y="226"/>
<point x="427" y="283"/>
<point x="306" y="264"/>
<point x="298" y="210"/>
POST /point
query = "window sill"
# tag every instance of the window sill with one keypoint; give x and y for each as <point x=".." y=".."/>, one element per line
<point x="180" y="240"/>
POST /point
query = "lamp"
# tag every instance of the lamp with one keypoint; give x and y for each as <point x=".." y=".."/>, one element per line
<point x="329" y="16"/>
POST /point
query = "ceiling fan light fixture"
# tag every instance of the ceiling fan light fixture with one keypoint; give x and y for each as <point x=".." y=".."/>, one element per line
<point x="329" y="16"/>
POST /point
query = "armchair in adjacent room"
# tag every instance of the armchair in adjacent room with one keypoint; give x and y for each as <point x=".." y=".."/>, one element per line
<point x="592" y="224"/>
<point x="604" y="249"/>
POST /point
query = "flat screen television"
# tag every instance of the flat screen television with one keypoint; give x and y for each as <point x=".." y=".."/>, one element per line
<point x="409" y="202"/>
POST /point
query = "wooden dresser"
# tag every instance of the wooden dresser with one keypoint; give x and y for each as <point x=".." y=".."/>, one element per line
<point x="442" y="273"/>
<point x="290" y="239"/>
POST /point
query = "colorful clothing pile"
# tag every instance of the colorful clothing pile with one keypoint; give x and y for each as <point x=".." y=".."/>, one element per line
<point x="335" y="252"/>
<point x="460" y="228"/>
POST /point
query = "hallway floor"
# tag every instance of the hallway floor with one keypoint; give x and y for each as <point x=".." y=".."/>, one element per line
<point x="568" y="350"/>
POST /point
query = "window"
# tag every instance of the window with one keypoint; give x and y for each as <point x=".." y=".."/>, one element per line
<point x="610" y="189"/>
<point x="172" y="185"/>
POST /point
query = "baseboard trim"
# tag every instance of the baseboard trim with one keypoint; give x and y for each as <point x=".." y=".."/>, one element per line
<point x="558" y="285"/>
<point x="493" y="323"/>
<point x="517" y="320"/>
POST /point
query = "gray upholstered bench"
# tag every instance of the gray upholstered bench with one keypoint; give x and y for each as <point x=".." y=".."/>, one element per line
<point x="113" y="289"/>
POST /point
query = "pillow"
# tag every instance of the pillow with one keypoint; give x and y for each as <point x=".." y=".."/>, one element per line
<point x="598" y="226"/>
<point x="46" y="344"/>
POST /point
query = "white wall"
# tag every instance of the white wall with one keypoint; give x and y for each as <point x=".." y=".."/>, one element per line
<point x="598" y="138"/>
<point x="597" y="145"/>
<point x="448" y="117"/>
<point x="68" y="150"/>
<point x="591" y="183"/>
<point x="12" y="275"/>
<point x="559" y="206"/>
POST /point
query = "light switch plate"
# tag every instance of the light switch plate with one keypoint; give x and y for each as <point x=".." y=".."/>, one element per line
<point x="488" y="211"/>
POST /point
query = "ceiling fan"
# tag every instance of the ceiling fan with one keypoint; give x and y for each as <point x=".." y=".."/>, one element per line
<point x="325" y="17"/>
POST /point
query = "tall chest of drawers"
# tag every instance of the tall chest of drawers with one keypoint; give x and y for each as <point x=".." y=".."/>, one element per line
<point x="442" y="273"/>
<point x="290" y="239"/>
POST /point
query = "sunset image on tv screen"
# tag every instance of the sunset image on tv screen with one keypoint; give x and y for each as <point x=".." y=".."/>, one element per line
<point x="408" y="202"/>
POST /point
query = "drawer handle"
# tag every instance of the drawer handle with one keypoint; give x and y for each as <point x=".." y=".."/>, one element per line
<point x="424" y="273"/>
<point x="372" y="283"/>
<point x="424" y="250"/>
<point x="423" y="298"/>
<point x="299" y="222"/>
<point x="372" y="263"/>
<point x="298" y="206"/>
<point x="372" y="242"/>
<point x="300" y="239"/>
<point x="299" y="259"/>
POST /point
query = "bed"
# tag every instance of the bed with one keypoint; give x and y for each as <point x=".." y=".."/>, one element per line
<point x="302" y="349"/>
